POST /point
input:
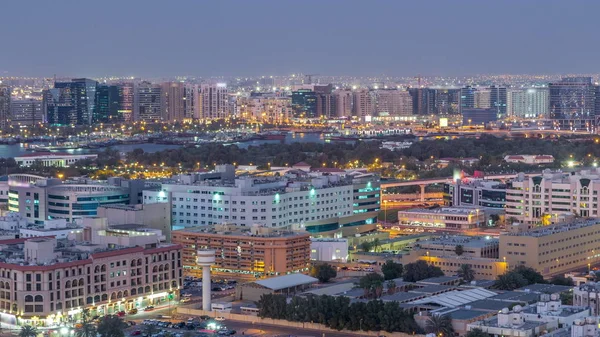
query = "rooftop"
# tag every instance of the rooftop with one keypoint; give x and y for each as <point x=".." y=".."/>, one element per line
<point x="402" y="297"/>
<point x="458" y="298"/>
<point x="440" y="280"/>
<point x="466" y="314"/>
<point x="519" y="296"/>
<point x="545" y="288"/>
<point x="492" y="305"/>
<point x="233" y="230"/>
<point x="465" y="241"/>
<point x="442" y="210"/>
<point x="286" y="281"/>
<point x="554" y="229"/>
<point x="433" y="289"/>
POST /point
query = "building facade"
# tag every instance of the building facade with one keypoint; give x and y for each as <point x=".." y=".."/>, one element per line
<point x="320" y="204"/>
<point x="215" y="101"/>
<point x="572" y="103"/>
<point x="44" y="285"/>
<point x="26" y="112"/>
<point x="553" y="250"/>
<point x="531" y="199"/>
<point x="253" y="252"/>
<point x="528" y="103"/>
<point x="475" y="193"/>
<point x="52" y="159"/>
<point x="444" y="217"/>
<point x="5" y="115"/>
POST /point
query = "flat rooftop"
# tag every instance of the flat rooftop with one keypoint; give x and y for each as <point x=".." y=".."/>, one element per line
<point x="554" y="229"/>
<point x="442" y="211"/>
<point x="232" y="230"/>
<point x="439" y="280"/>
<point x="544" y="288"/>
<point x="465" y="241"/>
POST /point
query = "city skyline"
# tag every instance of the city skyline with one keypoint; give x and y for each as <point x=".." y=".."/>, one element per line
<point x="267" y="37"/>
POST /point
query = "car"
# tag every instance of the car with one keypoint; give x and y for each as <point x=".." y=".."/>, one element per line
<point x="121" y="313"/>
<point x="184" y="300"/>
<point x="131" y="323"/>
<point x="149" y="308"/>
<point x="136" y="333"/>
<point x="186" y="295"/>
<point x="133" y="311"/>
<point x="219" y="318"/>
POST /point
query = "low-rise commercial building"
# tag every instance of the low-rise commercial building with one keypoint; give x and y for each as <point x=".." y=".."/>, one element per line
<point x="529" y="159"/>
<point x="553" y="250"/>
<point x="329" y="250"/>
<point x="241" y="252"/>
<point x="444" y="217"/>
<point x="52" y="159"/>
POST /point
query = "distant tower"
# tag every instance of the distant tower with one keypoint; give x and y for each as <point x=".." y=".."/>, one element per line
<point x="206" y="258"/>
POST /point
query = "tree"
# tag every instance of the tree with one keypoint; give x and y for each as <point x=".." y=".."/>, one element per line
<point x="466" y="272"/>
<point x="365" y="246"/>
<point x="372" y="284"/>
<point x="391" y="270"/>
<point x="459" y="250"/>
<point x="510" y="281"/>
<point x="391" y="287"/>
<point x="420" y="270"/>
<point x="561" y="280"/>
<point x="566" y="298"/>
<point x="28" y="331"/>
<point x="476" y="333"/>
<point x="530" y="274"/>
<point x="440" y="325"/>
<point x="323" y="272"/>
<point x="376" y="244"/>
<point x="111" y="326"/>
<point x="86" y="327"/>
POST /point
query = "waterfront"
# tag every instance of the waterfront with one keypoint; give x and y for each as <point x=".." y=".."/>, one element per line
<point x="15" y="150"/>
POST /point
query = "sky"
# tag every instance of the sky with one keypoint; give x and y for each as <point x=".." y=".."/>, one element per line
<point x="155" y="38"/>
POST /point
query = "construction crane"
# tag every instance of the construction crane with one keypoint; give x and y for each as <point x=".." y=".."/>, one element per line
<point x="309" y="77"/>
<point x="418" y="78"/>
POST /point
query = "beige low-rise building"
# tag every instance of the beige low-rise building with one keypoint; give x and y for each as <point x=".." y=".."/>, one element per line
<point x="553" y="250"/>
<point x="444" y="217"/>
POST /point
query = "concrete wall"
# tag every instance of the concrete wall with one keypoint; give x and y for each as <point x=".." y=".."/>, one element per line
<point x="284" y="323"/>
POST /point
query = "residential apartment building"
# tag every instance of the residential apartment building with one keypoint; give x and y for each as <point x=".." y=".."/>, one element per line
<point x="5" y="97"/>
<point x="263" y="107"/>
<point x="214" y="101"/>
<point x="528" y="103"/>
<point x="553" y="250"/>
<point x="148" y="106"/>
<point x="44" y="283"/>
<point x="393" y="103"/>
<point x="26" y="112"/>
<point x="531" y="198"/>
<point x="245" y="252"/>
<point x="444" y="217"/>
<point x="321" y="204"/>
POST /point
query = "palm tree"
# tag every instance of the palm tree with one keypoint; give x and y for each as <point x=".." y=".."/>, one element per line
<point x="86" y="329"/>
<point x="440" y="325"/>
<point x="111" y="326"/>
<point x="376" y="245"/>
<point x="466" y="272"/>
<point x="391" y="287"/>
<point x="28" y="331"/>
<point x="476" y="333"/>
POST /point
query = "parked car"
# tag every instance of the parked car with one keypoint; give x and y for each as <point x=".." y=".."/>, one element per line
<point x="136" y="333"/>
<point x="121" y="313"/>
<point x="149" y="308"/>
<point x="133" y="311"/>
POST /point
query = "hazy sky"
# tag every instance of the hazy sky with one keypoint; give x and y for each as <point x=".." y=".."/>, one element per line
<point x="329" y="37"/>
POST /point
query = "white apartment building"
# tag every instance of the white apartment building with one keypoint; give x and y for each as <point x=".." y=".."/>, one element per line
<point x="530" y="199"/>
<point x="329" y="249"/>
<point x="528" y="103"/>
<point x="317" y="203"/>
<point x="393" y="102"/>
<point x="264" y="108"/>
<point x="482" y="98"/>
<point x="215" y="101"/>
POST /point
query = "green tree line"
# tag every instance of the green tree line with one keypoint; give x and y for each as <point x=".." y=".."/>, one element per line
<point x="337" y="312"/>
